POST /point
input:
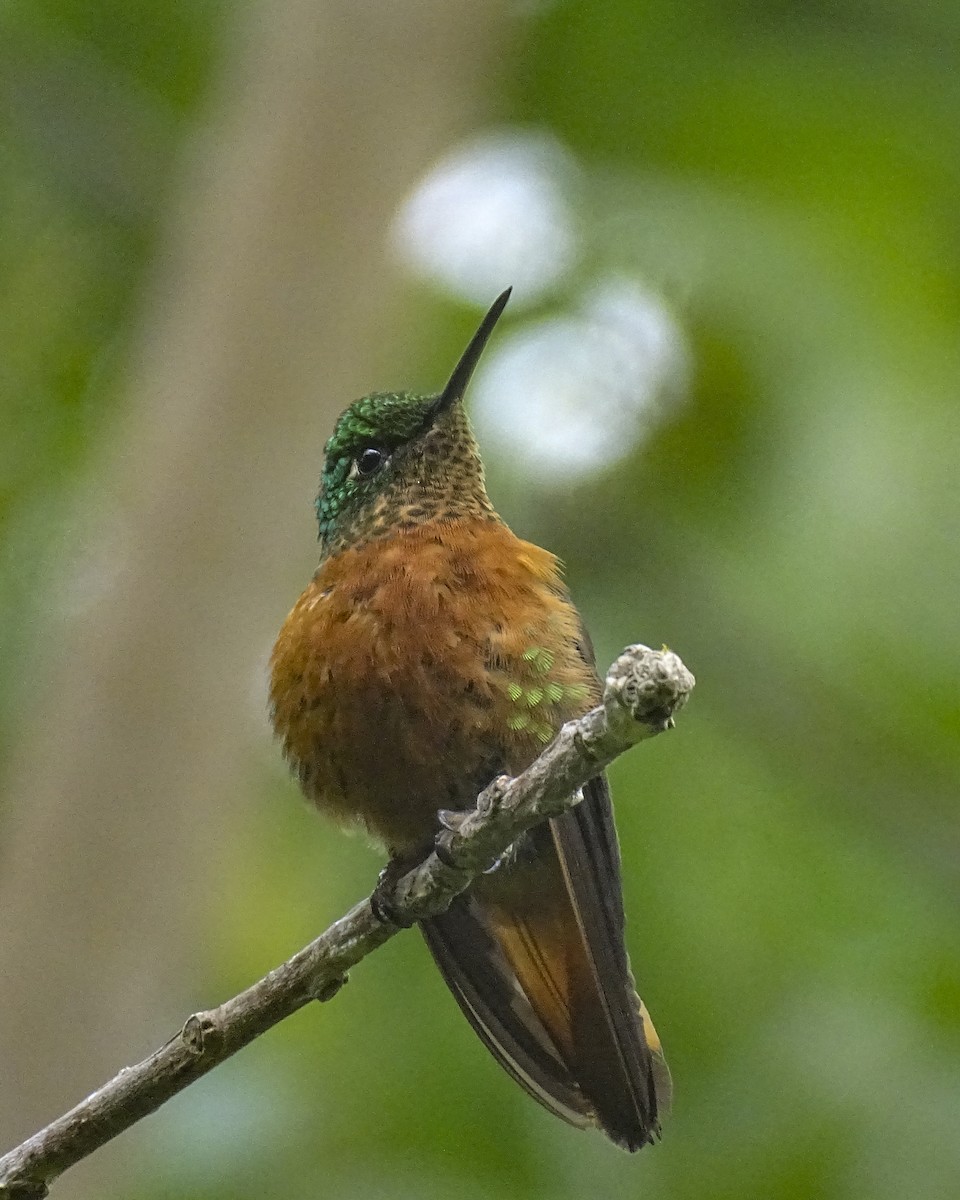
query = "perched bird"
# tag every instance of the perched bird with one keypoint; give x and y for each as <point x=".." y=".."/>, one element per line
<point x="432" y="651"/>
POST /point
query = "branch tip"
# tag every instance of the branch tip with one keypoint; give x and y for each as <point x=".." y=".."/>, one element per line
<point x="645" y="687"/>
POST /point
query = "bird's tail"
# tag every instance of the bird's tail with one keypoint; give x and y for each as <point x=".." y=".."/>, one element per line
<point x="534" y="954"/>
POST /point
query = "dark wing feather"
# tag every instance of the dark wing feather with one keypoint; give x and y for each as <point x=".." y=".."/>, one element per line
<point x="586" y="843"/>
<point x="535" y="957"/>
<point x="588" y="847"/>
<point x="477" y="972"/>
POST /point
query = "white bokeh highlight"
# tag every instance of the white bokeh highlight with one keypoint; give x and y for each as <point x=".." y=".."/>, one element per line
<point x="566" y="396"/>
<point x="493" y="212"/>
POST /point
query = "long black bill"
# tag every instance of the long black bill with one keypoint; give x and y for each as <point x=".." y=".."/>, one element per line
<point x="457" y="383"/>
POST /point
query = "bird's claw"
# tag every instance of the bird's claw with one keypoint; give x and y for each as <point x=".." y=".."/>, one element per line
<point x="452" y="818"/>
<point x="382" y="900"/>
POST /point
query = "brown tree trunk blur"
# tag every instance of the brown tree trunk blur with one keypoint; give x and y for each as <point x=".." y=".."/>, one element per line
<point x="271" y="303"/>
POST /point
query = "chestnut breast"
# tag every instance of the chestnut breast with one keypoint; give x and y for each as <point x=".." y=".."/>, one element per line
<point x="416" y="667"/>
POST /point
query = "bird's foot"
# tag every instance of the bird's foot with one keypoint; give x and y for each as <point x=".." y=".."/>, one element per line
<point x="382" y="901"/>
<point x="452" y="818"/>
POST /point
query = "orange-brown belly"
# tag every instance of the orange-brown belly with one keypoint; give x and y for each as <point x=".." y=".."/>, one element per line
<point x="416" y="667"/>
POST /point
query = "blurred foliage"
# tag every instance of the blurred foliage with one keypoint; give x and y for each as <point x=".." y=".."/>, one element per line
<point x="787" y="175"/>
<point x="94" y="103"/>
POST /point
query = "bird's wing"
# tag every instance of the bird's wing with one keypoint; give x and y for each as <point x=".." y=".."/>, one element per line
<point x="474" y="967"/>
<point x="534" y="954"/>
<point x="586" y="842"/>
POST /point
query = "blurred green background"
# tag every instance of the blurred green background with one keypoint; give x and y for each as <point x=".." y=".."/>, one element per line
<point x="778" y="184"/>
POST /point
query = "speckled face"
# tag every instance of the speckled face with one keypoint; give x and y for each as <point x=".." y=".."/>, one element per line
<point x="396" y="460"/>
<point x="372" y="426"/>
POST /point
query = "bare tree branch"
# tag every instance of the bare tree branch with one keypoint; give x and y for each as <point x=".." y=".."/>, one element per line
<point x="644" y="689"/>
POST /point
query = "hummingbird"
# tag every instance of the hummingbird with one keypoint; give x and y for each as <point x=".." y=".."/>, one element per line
<point x="432" y="651"/>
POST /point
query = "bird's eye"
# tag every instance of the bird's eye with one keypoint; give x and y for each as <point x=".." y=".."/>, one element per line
<point x="369" y="461"/>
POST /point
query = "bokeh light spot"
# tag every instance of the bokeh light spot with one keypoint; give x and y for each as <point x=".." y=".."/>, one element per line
<point x="569" y="395"/>
<point x="493" y="212"/>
